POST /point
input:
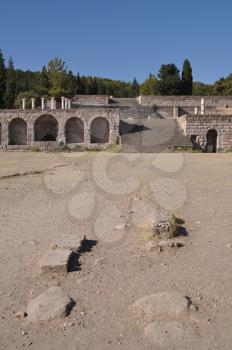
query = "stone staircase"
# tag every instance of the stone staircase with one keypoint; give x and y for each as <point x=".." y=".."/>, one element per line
<point x="152" y="135"/>
<point x="144" y="130"/>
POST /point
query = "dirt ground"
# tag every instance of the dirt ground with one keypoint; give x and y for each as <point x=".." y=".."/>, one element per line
<point x="44" y="195"/>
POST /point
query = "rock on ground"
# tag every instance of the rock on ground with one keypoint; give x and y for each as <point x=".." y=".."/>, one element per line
<point x="56" y="260"/>
<point x="164" y="225"/>
<point x="163" y="245"/>
<point x="163" y="306"/>
<point x="52" y="304"/>
<point x="170" y="335"/>
<point x="70" y="241"/>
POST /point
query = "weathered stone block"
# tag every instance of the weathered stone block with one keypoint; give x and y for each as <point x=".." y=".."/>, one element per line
<point x="52" y="304"/>
<point x="56" y="260"/>
<point x="71" y="242"/>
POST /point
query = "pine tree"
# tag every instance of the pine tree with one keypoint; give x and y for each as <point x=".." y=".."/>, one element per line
<point x="10" y="91"/>
<point x="169" y="80"/>
<point x="2" y="80"/>
<point x="135" y="89"/>
<point x="187" y="78"/>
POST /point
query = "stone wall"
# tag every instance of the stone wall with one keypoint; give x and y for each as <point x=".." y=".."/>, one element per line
<point x="90" y="100"/>
<point x="87" y="115"/>
<point x="197" y="126"/>
<point x="186" y="101"/>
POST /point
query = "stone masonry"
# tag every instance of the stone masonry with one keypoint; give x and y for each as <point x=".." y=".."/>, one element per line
<point x="22" y="129"/>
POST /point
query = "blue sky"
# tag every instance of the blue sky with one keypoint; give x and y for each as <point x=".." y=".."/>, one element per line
<point x="119" y="39"/>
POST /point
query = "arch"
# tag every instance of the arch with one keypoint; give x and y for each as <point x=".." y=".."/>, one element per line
<point x="17" y="131"/>
<point x="74" y="130"/>
<point x="100" y="130"/>
<point x="211" y="146"/>
<point x="46" y="128"/>
<point x="0" y="133"/>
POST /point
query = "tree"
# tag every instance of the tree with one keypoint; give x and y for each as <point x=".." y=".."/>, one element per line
<point x="58" y="77"/>
<point x="187" y="78"/>
<point x="169" y="80"/>
<point x="135" y="89"/>
<point x="150" y="86"/>
<point x="10" y="85"/>
<point x="2" y="80"/>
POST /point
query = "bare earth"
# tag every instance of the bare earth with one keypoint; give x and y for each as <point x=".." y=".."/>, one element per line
<point x="46" y="195"/>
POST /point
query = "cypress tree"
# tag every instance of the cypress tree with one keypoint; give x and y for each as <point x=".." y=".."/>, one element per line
<point x="2" y="80"/>
<point x="10" y="85"/>
<point x="187" y="78"/>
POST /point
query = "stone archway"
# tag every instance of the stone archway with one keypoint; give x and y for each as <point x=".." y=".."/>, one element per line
<point x="46" y="128"/>
<point x="211" y="146"/>
<point x="17" y="131"/>
<point x="74" y="130"/>
<point x="100" y="130"/>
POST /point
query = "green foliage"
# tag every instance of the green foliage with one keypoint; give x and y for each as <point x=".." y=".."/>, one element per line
<point x="200" y="89"/>
<point x="2" y="80"/>
<point x="187" y="78"/>
<point x="223" y="86"/>
<point x="10" y="92"/>
<point x="169" y="80"/>
<point x="56" y="80"/>
<point x="150" y="86"/>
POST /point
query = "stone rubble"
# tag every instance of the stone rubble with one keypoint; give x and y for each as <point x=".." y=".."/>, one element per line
<point x="58" y="257"/>
<point x="52" y="304"/>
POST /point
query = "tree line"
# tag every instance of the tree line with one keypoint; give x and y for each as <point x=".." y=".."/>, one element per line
<point x="55" y="79"/>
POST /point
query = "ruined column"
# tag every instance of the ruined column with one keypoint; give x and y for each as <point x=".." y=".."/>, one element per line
<point x="62" y="102"/>
<point x="33" y="103"/>
<point x="66" y="103"/>
<point x="24" y="103"/>
<point x="175" y="112"/>
<point x="42" y="103"/>
<point x="202" y="106"/>
<point x="69" y="104"/>
<point x="196" y="110"/>
<point x="52" y="103"/>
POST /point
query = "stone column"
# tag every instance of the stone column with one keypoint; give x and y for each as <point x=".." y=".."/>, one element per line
<point x="175" y="112"/>
<point x="24" y="103"/>
<point x="69" y="104"/>
<point x="66" y="103"/>
<point x="52" y="103"/>
<point x="202" y="106"/>
<point x="196" y="110"/>
<point x="62" y="102"/>
<point x="33" y="103"/>
<point x="42" y="103"/>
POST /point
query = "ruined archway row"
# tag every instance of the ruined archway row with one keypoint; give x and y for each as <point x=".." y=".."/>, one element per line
<point x="47" y="128"/>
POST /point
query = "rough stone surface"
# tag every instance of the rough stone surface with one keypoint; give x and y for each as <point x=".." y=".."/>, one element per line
<point x="56" y="260"/>
<point x="29" y="119"/>
<point x="163" y="306"/>
<point x="163" y="245"/>
<point x="52" y="304"/>
<point x="169" y="335"/>
<point x="164" y="226"/>
<point x="71" y="242"/>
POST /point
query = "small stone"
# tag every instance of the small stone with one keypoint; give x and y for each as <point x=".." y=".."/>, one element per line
<point x="20" y="315"/>
<point x="52" y="304"/>
<point x="162" y="245"/>
<point x="56" y="260"/>
<point x="163" y="225"/>
<point x="72" y="242"/>
<point x="229" y="245"/>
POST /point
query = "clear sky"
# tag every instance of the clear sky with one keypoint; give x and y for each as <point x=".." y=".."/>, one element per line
<point x="119" y="39"/>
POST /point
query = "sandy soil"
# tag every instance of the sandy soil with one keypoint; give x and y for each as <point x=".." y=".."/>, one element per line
<point x="54" y="194"/>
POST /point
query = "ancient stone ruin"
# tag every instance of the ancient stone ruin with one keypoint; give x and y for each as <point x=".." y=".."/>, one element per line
<point x="95" y="122"/>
